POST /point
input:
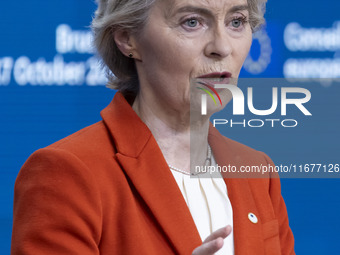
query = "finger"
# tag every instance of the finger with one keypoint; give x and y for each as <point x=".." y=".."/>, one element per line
<point x="222" y="232"/>
<point x="209" y="248"/>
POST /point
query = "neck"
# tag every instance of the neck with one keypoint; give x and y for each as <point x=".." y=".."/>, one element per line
<point x="181" y="142"/>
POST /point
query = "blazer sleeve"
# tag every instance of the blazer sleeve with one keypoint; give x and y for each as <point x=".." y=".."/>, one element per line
<point x="57" y="206"/>
<point x="286" y="235"/>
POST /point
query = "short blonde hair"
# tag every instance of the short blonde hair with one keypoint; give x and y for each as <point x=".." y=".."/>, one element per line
<point x="132" y="15"/>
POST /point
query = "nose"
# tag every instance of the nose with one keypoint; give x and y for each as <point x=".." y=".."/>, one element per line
<point x="218" y="46"/>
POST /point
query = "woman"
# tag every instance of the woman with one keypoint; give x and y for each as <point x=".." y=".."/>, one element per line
<point x="122" y="185"/>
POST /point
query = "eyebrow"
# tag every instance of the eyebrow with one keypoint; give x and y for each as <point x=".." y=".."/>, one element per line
<point x="237" y="8"/>
<point x="204" y="11"/>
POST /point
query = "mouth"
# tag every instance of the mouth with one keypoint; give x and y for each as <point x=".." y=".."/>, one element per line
<point x="216" y="75"/>
<point x="215" y="78"/>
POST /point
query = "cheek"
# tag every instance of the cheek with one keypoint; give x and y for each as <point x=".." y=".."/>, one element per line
<point x="168" y="63"/>
<point x="177" y="56"/>
<point x="247" y="44"/>
<point x="241" y="50"/>
<point x="168" y="56"/>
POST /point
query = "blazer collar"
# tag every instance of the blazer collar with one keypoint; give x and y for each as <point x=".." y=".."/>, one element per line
<point x="143" y="162"/>
<point x="128" y="131"/>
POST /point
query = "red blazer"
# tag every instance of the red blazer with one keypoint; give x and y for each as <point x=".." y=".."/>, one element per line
<point x="107" y="189"/>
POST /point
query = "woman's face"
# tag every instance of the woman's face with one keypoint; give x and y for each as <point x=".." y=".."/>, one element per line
<point x="187" y="39"/>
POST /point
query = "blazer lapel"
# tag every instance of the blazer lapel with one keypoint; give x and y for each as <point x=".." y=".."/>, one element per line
<point x="143" y="162"/>
<point x="247" y="235"/>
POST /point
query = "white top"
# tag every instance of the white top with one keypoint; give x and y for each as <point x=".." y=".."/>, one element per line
<point x="209" y="205"/>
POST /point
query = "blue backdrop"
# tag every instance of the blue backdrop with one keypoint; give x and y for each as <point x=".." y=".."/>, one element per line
<point x="51" y="86"/>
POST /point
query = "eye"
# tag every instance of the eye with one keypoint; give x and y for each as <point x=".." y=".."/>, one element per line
<point x="236" y="23"/>
<point x="192" y="22"/>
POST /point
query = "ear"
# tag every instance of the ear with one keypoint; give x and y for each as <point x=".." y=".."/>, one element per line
<point x="126" y="43"/>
